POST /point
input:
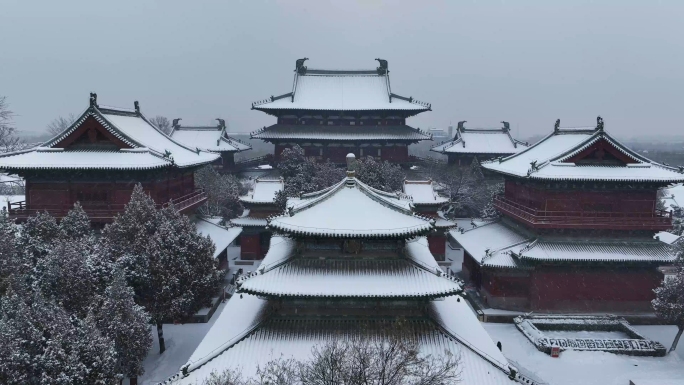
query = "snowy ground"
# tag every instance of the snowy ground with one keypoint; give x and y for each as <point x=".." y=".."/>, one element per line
<point x="590" y="368"/>
<point x="181" y="341"/>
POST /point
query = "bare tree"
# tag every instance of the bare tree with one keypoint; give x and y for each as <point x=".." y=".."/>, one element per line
<point x="390" y="356"/>
<point x="60" y="124"/>
<point x="162" y="123"/>
<point x="8" y="133"/>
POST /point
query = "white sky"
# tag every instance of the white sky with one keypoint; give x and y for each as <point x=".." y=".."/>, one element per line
<point x="527" y="62"/>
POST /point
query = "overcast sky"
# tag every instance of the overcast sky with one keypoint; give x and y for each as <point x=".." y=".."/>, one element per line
<point x="525" y="62"/>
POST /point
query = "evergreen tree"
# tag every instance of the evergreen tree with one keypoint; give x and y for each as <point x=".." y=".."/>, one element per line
<point x="76" y="223"/>
<point x="119" y="318"/>
<point x="43" y="344"/>
<point x="305" y="175"/>
<point x="72" y="273"/>
<point x="223" y="193"/>
<point x="125" y="240"/>
<point x="669" y="303"/>
<point x="169" y="266"/>
<point x="182" y="271"/>
<point x="380" y="175"/>
<point x="37" y="235"/>
<point x="10" y="259"/>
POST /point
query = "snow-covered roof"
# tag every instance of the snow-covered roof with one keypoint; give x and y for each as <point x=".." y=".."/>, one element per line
<point x="481" y="141"/>
<point x="351" y="209"/>
<point x="549" y="159"/>
<point x="337" y="133"/>
<point x="667" y="237"/>
<point x="423" y="192"/>
<point x="249" y="221"/>
<point x="597" y="250"/>
<point x="148" y="147"/>
<point x="263" y="191"/>
<point x="415" y="275"/>
<point x="499" y="244"/>
<point x="489" y="243"/>
<point x="221" y="236"/>
<point x="214" y="139"/>
<point x="280" y="337"/>
<point x="341" y="91"/>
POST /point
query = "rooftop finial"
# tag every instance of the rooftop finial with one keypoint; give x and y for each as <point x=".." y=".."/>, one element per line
<point x="137" y="106"/>
<point x="175" y="123"/>
<point x="383" y="69"/>
<point x="599" y="123"/>
<point x="300" y="67"/>
<point x="222" y="123"/>
<point x="351" y="159"/>
<point x="506" y="127"/>
<point x="556" y="127"/>
<point x="93" y="99"/>
<point x="460" y="125"/>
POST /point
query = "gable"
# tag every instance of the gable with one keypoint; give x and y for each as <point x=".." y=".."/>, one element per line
<point x="91" y="134"/>
<point x="601" y="153"/>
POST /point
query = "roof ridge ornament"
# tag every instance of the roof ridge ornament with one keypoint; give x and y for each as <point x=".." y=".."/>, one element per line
<point x="300" y="68"/>
<point x="93" y="99"/>
<point x="383" y="69"/>
<point x="136" y="105"/>
<point x="461" y="125"/>
<point x="599" y="123"/>
<point x="556" y="127"/>
<point x="175" y="124"/>
<point x="506" y="126"/>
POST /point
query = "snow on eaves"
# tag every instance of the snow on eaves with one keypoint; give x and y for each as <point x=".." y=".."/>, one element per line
<point x="547" y="160"/>
<point x="263" y="191"/>
<point x="221" y="236"/>
<point x="341" y="92"/>
<point x="340" y="133"/>
<point x="422" y="192"/>
<point x="213" y="140"/>
<point x="351" y="209"/>
<point x="296" y="337"/>
<point x="481" y="141"/>
<point x="150" y="147"/>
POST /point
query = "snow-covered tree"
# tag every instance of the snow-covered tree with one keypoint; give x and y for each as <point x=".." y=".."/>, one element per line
<point x="669" y="303"/>
<point x="37" y="235"/>
<point x="162" y="123"/>
<point x="380" y="175"/>
<point x="43" y="344"/>
<point x="10" y="258"/>
<point x="125" y="240"/>
<point x="76" y="223"/>
<point x="304" y="175"/>
<point x="120" y="319"/>
<point x="182" y="274"/>
<point x="72" y="273"/>
<point x="223" y="193"/>
<point x="8" y="133"/>
<point x="60" y="124"/>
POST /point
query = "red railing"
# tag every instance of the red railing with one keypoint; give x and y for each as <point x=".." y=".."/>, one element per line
<point x="618" y="220"/>
<point x="100" y="211"/>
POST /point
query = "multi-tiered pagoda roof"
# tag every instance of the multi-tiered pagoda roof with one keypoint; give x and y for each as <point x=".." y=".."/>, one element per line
<point x="330" y="109"/>
<point x="347" y="262"/>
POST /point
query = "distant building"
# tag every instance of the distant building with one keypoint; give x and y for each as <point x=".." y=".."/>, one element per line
<point x="331" y="113"/>
<point x="577" y="234"/>
<point x="479" y="143"/>
<point x="99" y="159"/>
<point x="438" y="133"/>
<point x="259" y="205"/>
<point x="427" y="202"/>
<point x="212" y="139"/>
